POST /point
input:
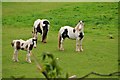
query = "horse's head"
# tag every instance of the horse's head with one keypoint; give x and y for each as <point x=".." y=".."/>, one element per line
<point x="45" y="27"/>
<point x="80" y="26"/>
<point x="34" y="41"/>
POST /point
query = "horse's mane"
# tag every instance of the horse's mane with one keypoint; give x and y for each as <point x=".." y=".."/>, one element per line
<point x="77" y="26"/>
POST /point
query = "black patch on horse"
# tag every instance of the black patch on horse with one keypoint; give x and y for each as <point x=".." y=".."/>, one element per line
<point x="74" y="30"/>
<point x="46" y="22"/>
<point x="22" y="48"/>
<point x="65" y="34"/>
<point x="38" y="28"/>
<point x="81" y="35"/>
<point x="26" y="46"/>
<point x="31" y="47"/>
<point x="18" y="45"/>
<point x="22" y="44"/>
<point x="45" y="30"/>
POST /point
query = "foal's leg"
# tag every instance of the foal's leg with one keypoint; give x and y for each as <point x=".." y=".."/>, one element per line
<point x="28" y="56"/>
<point x="61" y="44"/>
<point x="15" y="55"/>
<point x="77" y="44"/>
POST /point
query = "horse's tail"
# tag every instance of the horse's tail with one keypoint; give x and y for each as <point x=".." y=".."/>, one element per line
<point x="59" y="40"/>
<point x="12" y="43"/>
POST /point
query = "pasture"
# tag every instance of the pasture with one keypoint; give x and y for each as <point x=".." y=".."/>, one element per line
<point x="100" y="52"/>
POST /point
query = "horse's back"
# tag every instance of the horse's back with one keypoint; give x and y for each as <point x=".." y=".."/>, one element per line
<point x="69" y="30"/>
<point x="20" y="41"/>
<point x="36" y="23"/>
<point x="65" y="27"/>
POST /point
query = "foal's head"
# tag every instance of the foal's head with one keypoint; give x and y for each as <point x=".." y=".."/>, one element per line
<point x="80" y="26"/>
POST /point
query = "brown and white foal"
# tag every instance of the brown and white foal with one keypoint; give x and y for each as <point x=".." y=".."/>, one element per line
<point x="23" y="45"/>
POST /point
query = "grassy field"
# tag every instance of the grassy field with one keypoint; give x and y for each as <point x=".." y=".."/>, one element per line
<point x="100" y="52"/>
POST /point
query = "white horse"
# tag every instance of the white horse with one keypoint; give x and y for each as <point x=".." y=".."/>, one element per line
<point x="23" y="45"/>
<point x="42" y="27"/>
<point x="71" y="33"/>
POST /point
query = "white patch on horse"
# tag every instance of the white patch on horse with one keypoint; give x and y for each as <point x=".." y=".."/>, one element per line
<point x="71" y="33"/>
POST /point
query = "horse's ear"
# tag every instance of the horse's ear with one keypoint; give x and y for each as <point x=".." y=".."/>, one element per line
<point x="83" y="21"/>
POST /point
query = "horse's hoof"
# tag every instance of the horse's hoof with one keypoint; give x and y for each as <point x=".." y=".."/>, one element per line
<point x="29" y="61"/>
<point x="81" y="50"/>
<point x="16" y="60"/>
<point x="43" y="41"/>
<point x="77" y="50"/>
<point x="62" y="49"/>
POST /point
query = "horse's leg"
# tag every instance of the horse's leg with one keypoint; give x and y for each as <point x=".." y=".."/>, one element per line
<point x="77" y="45"/>
<point x="28" y="56"/>
<point x="15" y="55"/>
<point x="61" y="44"/>
<point x="81" y="49"/>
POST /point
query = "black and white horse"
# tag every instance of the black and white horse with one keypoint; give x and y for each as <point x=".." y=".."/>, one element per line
<point x="71" y="33"/>
<point x="42" y="27"/>
<point x="23" y="45"/>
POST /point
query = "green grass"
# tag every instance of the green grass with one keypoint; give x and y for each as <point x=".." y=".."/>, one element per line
<point x="100" y="53"/>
